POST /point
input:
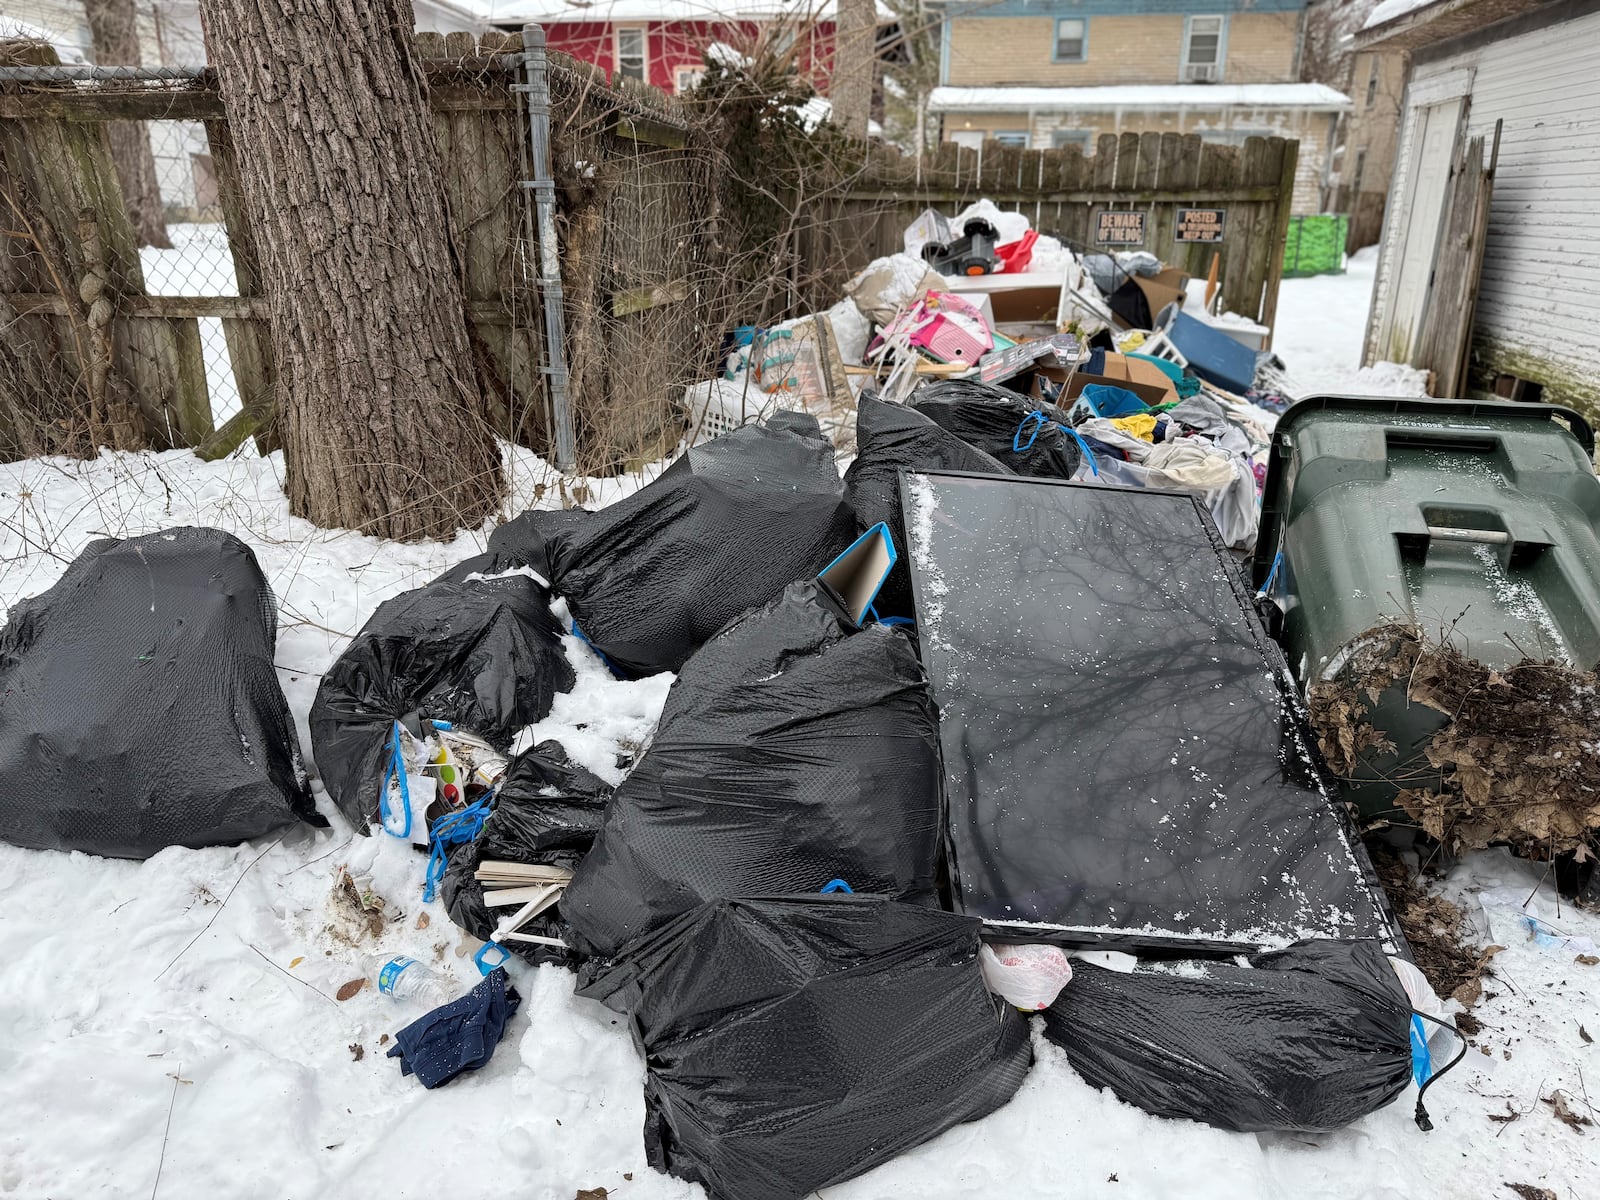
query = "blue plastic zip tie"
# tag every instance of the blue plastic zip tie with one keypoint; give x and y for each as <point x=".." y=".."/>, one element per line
<point x="1084" y="446"/>
<point x="397" y="770"/>
<point x="1040" y="421"/>
<point x="601" y="654"/>
<point x="1277" y="561"/>
<point x="452" y="829"/>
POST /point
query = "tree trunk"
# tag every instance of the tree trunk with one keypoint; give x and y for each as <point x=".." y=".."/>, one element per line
<point x="854" y="55"/>
<point x="384" y="427"/>
<point x="113" y="25"/>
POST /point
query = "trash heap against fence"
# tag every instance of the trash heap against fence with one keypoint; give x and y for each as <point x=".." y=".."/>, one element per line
<point x="1113" y="353"/>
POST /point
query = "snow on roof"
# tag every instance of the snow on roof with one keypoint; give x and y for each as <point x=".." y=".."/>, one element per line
<point x="1147" y="96"/>
<point x="516" y="12"/>
<point x="1391" y="10"/>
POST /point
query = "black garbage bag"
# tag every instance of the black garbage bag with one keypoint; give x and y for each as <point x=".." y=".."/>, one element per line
<point x="997" y="421"/>
<point x="891" y="438"/>
<point x="485" y="656"/>
<point x="793" y="1043"/>
<point x="481" y="566"/>
<point x="724" y="529"/>
<point x="529" y="540"/>
<point x="791" y="752"/>
<point x="1309" y="1038"/>
<point x="547" y="811"/>
<point x="139" y="707"/>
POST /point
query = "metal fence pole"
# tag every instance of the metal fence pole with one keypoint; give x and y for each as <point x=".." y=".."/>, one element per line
<point x="537" y="92"/>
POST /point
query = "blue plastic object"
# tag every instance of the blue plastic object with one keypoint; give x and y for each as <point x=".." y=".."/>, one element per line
<point x="395" y="770"/>
<point x="482" y="957"/>
<point x="1039" y="421"/>
<point x="837" y="885"/>
<point x="1421" y="1060"/>
<point x="610" y="666"/>
<point x="1212" y="354"/>
<point x="452" y="829"/>
<point x="1107" y="401"/>
<point x="857" y="575"/>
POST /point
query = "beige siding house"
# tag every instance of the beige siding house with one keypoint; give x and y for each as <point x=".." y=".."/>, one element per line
<point x="1364" y="165"/>
<point x="1042" y="73"/>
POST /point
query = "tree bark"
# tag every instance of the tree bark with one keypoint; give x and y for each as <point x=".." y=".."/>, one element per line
<point x="113" y="26"/>
<point x="384" y="426"/>
<point x="854" y="56"/>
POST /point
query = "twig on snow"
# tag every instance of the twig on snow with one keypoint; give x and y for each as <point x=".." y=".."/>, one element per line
<point x="297" y="979"/>
<point x="177" y="1077"/>
<point x="218" y="913"/>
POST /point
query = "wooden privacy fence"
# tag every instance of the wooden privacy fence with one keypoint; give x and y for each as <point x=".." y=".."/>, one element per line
<point x="1063" y="192"/>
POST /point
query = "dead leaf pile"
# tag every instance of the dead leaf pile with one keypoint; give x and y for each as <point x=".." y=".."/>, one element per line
<point x="1516" y="759"/>
<point x="1440" y="935"/>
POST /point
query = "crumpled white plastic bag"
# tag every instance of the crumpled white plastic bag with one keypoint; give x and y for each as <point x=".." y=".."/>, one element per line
<point x="1028" y="976"/>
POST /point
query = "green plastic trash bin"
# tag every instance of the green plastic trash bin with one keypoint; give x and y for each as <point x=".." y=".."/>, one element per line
<point x="1483" y="518"/>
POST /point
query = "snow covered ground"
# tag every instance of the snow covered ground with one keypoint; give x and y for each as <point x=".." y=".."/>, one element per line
<point x="167" y="1028"/>
<point x="1321" y="323"/>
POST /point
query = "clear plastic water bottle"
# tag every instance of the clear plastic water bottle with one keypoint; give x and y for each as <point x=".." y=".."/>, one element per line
<point x="402" y="978"/>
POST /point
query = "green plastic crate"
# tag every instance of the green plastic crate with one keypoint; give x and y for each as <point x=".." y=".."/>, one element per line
<point x="1315" y="245"/>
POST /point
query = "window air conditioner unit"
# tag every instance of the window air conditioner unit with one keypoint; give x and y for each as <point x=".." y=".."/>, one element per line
<point x="1201" y="73"/>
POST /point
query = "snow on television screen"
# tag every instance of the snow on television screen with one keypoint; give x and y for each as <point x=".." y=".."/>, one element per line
<point x="1124" y="760"/>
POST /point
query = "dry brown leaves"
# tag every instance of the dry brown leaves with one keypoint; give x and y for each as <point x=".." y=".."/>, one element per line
<point x="1517" y="761"/>
<point x="356" y="914"/>
<point x="1574" y="1121"/>
<point x="1439" y="933"/>
<point x="1529" y="1192"/>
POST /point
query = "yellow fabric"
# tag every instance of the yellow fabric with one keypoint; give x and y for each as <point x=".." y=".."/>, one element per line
<point x="1140" y="425"/>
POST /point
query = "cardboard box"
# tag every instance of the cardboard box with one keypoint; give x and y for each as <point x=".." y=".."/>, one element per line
<point x="1028" y="298"/>
<point x="1167" y="286"/>
<point x="1119" y="367"/>
<point x="1164" y="288"/>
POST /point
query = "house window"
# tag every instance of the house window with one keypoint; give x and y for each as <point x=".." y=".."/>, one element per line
<point x="630" y="53"/>
<point x="1072" y="39"/>
<point x="1081" y="138"/>
<point x="688" y="78"/>
<point x="783" y="39"/>
<point x="1011" y="137"/>
<point x="1372" y="84"/>
<point x="1204" y="43"/>
<point x="1361" y="169"/>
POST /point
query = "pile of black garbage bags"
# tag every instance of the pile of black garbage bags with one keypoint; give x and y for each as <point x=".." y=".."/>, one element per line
<point x="764" y="896"/>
